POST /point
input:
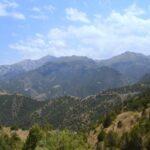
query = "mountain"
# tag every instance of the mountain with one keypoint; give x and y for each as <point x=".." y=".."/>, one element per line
<point x="76" y="76"/>
<point x="51" y="77"/>
<point x="145" y="79"/>
<point x="10" y="71"/>
<point x="132" y="65"/>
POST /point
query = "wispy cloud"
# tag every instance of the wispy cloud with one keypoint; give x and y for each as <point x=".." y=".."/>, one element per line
<point x="102" y="37"/>
<point x="74" y="14"/>
<point x="8" y="9"/>
<point x="42" y="12"/>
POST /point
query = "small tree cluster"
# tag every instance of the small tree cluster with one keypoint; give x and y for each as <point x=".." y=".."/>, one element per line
<point x="35" y="135"/>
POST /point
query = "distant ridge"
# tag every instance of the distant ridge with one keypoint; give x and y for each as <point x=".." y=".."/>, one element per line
<point x="126" y="56"/>
<point x="75" y="76"/>
<point x="9" y="71"/>
<point x="51" y="77"/>
<point x="132" y="65"/>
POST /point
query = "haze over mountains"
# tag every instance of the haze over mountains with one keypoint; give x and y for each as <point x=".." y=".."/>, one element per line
<point x="52" y="77"/>
<point x="9" y="71"/>
<point x="132" y="65"/>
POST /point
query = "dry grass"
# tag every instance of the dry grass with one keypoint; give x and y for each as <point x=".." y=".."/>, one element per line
<point x="127" y="121"/>
<point x="21" y="133"/>
<point x="92" y="138"/>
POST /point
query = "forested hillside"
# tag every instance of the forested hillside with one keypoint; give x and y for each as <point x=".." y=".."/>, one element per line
<point x="124" y="127"/>
<point x="65" y="112"/>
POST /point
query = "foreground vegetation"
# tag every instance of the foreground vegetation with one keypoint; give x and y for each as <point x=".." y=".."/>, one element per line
<point x="45" y="138"/>
<point x="126" y="127"/>
<point x="40" y="138"/>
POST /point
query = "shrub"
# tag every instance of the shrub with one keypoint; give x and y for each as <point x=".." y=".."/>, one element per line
<point x="147" y="142"/>
<point x="101" y="136"/>
<point x="131" y="141"/>
<point x="15" y="142"/>
<point x="4" y="142"/>
<point x="35" y="135"/>
<point x="63" y="140"/>
<point x="107" y="121"/>
<point x="119" y="124"/>
<point x="15" y="127"/>
<point x="111" y="139"/>
<point x="47" y="127"/>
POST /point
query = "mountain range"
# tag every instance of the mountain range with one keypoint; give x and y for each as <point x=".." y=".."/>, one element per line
<point x="10" y="71"/>
<point x="70" y="92"/>
<point x="132" y="65"/>
<point x="52" y="77"/>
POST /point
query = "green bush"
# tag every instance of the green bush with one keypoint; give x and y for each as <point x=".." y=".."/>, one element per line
<point x="15" y="127"/>
<point x="15" y="142"/>
<point x="101" y="136"/>
<point x="1" y="127"/>
<point x="12" y="142"/>
<point x="63" y="140"/>
<point x="131" y="141"/>
<point x="107" y="121"/>
<point x="35" y="135"/>
<point x="47" y="127"/>
<point x="111" y="139"/>
<point x="119" y="124"/>
<point x="147" y="142"/>
<point x="4" y="142"/>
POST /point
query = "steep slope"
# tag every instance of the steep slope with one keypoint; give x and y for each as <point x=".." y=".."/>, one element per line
<point x="76" y="76"/>
<point x="51" y="77"/>
<point x="132" y="65"/>
<point x="124" y="132"/>
<point x="78" y="114"/>
<point x="145" y="79"/>
<point x="10" y="71"/>
<point x="127" y="129"/>
<point x="66" y="112"/>
<point x="17" y="110"/>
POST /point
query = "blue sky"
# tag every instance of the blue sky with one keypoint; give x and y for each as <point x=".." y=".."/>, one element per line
<point x="30" y="29"/>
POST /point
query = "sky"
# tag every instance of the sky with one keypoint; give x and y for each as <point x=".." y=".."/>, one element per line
<point x="99" y="29"/>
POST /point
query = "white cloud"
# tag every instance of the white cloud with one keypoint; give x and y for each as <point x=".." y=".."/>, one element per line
<point x="103" y="37"/>
<point x="134" y="10"/>
<point x="76" y="15"/>
<point x="17" y="15"/>
<point x="42" y="12"/>
<point x="11" y="4"/>
<point x="7" y="10"/>
<point x="49" y="8"/>
<point x="40" y="46"/>
<point x="36" y="9"/>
